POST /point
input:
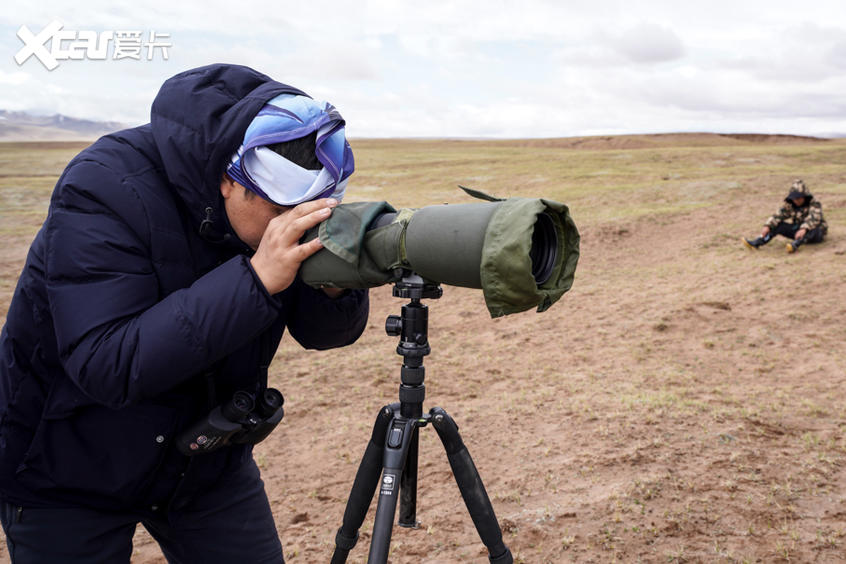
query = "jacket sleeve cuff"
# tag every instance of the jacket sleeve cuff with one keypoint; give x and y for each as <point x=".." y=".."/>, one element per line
<point x="321" y="322"/>
<point x="274" y="300"/>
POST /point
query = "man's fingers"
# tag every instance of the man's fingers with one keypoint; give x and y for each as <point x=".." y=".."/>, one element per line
<point x="307" y="208"/>
<point x="307" y="249"/>
<point x="279" y="253"/>
<point x="302" y="224"/>
<point x="291" y="225"/>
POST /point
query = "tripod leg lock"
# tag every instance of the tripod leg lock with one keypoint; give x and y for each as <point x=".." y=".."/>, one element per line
<point x="447" y="430"/>
<point x="344" y="542"/>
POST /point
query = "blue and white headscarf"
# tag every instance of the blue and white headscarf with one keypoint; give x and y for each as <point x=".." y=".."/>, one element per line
<point x="275" y="178"/>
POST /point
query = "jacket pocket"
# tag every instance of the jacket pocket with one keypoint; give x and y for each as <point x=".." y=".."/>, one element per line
<point x="98" y="451"/>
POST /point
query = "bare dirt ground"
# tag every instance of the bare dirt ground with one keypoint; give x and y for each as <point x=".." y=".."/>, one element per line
<point x="683" y="403"/>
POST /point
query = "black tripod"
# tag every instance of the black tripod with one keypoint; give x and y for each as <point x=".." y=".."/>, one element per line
<point x="392" y="450"/>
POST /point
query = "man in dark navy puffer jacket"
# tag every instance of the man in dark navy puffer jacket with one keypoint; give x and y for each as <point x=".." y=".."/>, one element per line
<point x="155" y="289"/>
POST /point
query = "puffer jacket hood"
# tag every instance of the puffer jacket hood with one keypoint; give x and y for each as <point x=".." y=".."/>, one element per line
<point x="799" y="190"/>
<point x="198" y="120"/>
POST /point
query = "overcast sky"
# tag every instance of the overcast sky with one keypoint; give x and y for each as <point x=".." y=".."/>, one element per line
<point x="492" y="68"/>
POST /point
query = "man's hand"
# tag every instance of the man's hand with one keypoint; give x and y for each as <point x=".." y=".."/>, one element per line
<point x="800" y="234"/>
<point x="765" y="231"/>
<point x="280" y="254"/>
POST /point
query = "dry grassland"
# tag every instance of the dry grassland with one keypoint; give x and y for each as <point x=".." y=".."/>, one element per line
<point x="683" y="403"/>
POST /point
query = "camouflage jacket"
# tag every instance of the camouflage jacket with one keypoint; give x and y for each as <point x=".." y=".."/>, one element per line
<point x="807" y="217"/>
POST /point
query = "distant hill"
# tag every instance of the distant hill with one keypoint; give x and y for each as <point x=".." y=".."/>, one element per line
<point x="654" y="140"/>
<point x="22" y="126"/>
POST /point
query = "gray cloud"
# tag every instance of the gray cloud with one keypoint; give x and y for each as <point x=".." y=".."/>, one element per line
<point x="836" y="54"/>
<point x="649" y="43"/>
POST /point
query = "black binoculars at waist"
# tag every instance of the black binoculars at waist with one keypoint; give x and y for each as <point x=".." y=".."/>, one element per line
<point x="241" y="420"/>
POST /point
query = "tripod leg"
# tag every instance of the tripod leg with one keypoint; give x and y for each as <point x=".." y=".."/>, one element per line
<point x="408" y="486"/>
<point x="364" y="486"/>
<point x="396" y="448"/>
<point x="471" y="487"/>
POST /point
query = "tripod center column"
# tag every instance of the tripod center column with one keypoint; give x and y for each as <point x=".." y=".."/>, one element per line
<point x="413" y="346"/>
